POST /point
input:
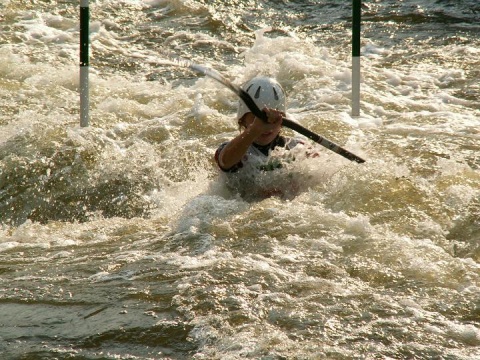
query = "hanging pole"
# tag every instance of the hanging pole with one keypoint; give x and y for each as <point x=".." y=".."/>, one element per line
<point x="356" y="21"/>
<point x="84" y="44"/>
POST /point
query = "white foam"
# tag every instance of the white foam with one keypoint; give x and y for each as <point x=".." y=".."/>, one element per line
<point x="383" y="220"/>
<point x="468" y="334"/>
<point x="373" y="50"/>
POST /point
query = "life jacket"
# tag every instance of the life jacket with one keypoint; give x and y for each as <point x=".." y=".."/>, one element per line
<point x="258" y="155"/>
<point x="254" y="177"/>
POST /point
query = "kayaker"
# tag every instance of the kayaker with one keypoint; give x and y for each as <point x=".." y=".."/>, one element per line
<point x="247" y="157"/>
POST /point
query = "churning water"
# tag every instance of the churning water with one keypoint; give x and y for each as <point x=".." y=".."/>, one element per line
<point x="120" y="240"/>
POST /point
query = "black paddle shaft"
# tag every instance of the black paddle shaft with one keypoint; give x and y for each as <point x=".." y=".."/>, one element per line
<point x="298" y="128"/>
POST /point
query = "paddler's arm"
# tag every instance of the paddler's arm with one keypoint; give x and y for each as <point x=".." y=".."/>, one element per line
<point x="234" y="151"/>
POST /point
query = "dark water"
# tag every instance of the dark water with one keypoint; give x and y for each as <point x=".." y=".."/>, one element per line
<point x="120" y="241"/>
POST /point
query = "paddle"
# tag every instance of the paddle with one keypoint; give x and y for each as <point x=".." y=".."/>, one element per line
<point x="261" y="114"/>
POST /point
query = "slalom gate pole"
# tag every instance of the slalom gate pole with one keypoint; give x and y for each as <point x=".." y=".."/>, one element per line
<point x="356" y="21"/>
<point x="84" y="45"/>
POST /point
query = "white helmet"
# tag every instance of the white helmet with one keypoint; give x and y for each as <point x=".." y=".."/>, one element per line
<point x="265" y="92"/>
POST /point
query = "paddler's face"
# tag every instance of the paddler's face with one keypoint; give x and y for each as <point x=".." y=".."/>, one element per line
<point x="265" y="137"/>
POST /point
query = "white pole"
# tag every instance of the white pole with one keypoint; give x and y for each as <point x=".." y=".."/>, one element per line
<point x="84" y="45"/>
<point x="356" y="86"/>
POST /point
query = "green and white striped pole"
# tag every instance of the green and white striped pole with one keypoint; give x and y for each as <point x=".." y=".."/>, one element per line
<point x="84" y="44"/>
<point x="356" y="20"/>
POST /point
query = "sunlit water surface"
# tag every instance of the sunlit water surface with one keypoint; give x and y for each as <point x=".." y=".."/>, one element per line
<point x="121" y="240"/>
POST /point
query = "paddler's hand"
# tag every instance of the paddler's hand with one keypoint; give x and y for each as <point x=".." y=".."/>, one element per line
<point x="273" y="122"/>
<point x="256" y="131"/>
<point x="274" y="116"/>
